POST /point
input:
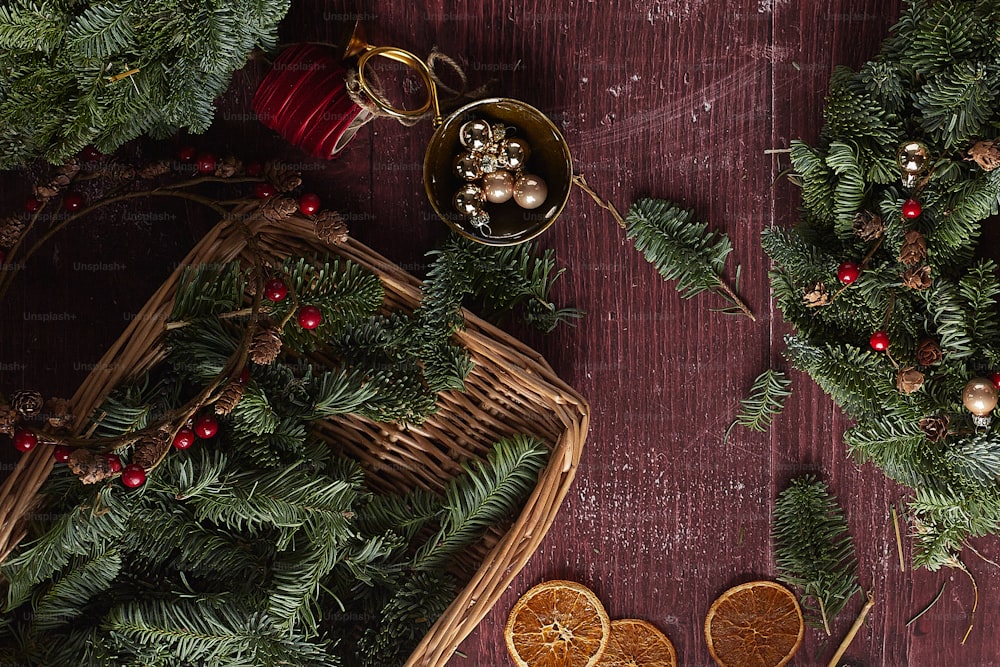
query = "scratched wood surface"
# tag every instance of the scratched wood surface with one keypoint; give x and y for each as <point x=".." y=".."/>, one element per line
<point x="670" y="98"/>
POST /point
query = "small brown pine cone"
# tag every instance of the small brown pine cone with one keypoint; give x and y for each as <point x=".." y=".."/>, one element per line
<point x="908" y="380"/>
<point x="281" y="176"/>
<point x="331" y="228"/>
<point x="149" y="451"/>
<point x="27" y="402"/>
<point x="936" y="427"/>
<point x="8" y="418"/>
<point x="229" y="397"/>
<point x="125" y="172"/>
<point x="914" y="248"/>
<point x="70" y="168"/>
<point x="986" y="154"/>
<point x="278" y="209"/>
<point x="64" y="175"/>
<point x="89" y="467"/>
<point x="154" y="169"/>
<point x="816" y="295"/>
<point x="228" y="167"/>
<point x="929" y="352"/>
<point x="58" y="414"/>
<point x="917" y="278"/>
<point x="265" y="346"/>
<point x="868" y="226"/>
<point x="11" y="228"/>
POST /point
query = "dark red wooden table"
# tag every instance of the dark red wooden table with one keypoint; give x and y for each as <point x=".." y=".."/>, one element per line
<point x="672" y="98"/>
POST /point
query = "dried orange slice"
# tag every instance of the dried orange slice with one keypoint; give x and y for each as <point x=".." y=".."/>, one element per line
<point x="636" y="643"/>
<point x="557" y="624"/>
<point x="758" y="624"/>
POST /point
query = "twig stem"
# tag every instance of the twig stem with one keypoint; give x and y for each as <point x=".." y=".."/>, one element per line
<point x="852" y="633"/>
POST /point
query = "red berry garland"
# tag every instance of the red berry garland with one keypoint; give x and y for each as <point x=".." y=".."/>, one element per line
<point x="61" y="453"/>
<point x="206" y="163"/>
<point x="848" y="272"/>
<point x="310" y="317"/>
<point x="263" y="190"/>
<point x="912" y="209"/>
<point x="276" y="290"/>
<point x="24" y="440"/>
<point x="186" y="153"/>
<point x="206" y="427"/>
<point x="114" y="463"/>
<point x="879" y="341"/>
<point x="184" y="438"/>
<point x="73" y="201"/>
<point x="133" y="476"/>
<point x="309" y="204"/>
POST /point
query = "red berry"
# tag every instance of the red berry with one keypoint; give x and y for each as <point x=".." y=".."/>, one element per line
<point x="848" y="272"/>
<point x="995" y="377"/>
<point x="245" y="376"/>
<point x="184" y="438"/>
<point x="114" y="463"/>
<point x="206" y="163"/>
<point x="263" y="190"/>
<point x="186" y="153"/>
<point x="31" y="205"/>
<point x="206" y="427"/>
<point x="61" y="453"/>
<point x="90" y="154"/>
<point x="912" y="209"/>
<point x="25" y="441"/>
<point x="309" y="204"/>
<point x="254" y="169"/>
<point x="276" y="290"/>
<point x="133" y="475"/>
<point x="73" y="201"/>
<point x="309" y="317"/>
<point x="879" y="341"/>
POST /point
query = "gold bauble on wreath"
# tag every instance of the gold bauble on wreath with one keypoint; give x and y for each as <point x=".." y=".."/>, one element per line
<point x="913" y="159"/>
<point x="980" y="398"/>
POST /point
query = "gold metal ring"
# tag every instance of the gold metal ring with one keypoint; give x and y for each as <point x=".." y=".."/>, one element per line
<point x="414" y="63"/>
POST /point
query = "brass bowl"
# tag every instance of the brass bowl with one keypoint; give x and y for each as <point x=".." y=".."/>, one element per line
<point x="509" y="223"/>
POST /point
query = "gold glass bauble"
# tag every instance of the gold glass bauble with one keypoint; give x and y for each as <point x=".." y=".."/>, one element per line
<point x="979" y="397"/>
<point x="475" y="134"/>
<point x="913" y="159"/>
<point x="469" y="199"/>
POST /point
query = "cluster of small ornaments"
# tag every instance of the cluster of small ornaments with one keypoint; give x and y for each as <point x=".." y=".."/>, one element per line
<point x="492" y="167"/>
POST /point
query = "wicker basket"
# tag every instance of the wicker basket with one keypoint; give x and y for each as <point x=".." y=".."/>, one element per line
<point x="511" y="390"/>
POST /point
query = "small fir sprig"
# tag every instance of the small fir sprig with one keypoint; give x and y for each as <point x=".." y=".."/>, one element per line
<point x="813" y="549"/>
<point x="765" y="401"/>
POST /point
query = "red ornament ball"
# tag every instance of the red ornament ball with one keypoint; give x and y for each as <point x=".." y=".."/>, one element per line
<point x="184" y="438"/>
<point x="206" y="427"/>
<point x="254" y="169"/>
<point x="309" y="204"/>
<point x="995" y="378"/>
<point x="73" y="201"/>
<point x="264" y="190"/>
<point x="31" y="205"/>
<point x="206" y="163"/>
<point x="133" y="476"/>
<point x="24" y="440"/>
<point x="310" y="317"/>
<point x="90" y="154"/>
<point x="879" y="341"/>
<point x="61" y="453"/>
<point x="848" y="272"/>
<point x="114" y="463"/>
<point x="186" y="153"/>
<point x="912" y="209"/>
<point x="276" y="290"/>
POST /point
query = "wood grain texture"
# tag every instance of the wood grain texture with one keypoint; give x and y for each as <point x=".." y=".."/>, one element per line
<point x="669" y="98"/>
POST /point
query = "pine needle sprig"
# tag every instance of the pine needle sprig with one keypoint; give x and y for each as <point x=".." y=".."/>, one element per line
<point x="765" y="401"/>
<point x="813" y="549"/>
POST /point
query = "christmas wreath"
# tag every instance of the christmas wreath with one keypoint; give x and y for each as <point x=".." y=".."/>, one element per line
<point x="884" y="279"/>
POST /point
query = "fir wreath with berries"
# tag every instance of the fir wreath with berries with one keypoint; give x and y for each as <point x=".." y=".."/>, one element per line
<point x="894" y="304"/>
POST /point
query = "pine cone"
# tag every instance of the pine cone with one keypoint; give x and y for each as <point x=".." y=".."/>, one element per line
<point x="914" y="248"/>
<point x="149" y="451"/>
<point x="868" y="226"/>
<point x="917" y="278"/>
<point x="154" y="169"/>
<point x="8" y="418"/>
<point x="331" y="228"/>
<point x="59" y="182"/>
<point x="27" y="402"/>
<point x="57" y="413"/>
<point x="228" y="167"/>
<point x="229" y="397"/>
<point x="936" y="427"/>
<point x="89" y="467"/>
<point x="265" y="346"/>
<point x="11" y="228"/>
<point x="281" y="176"/>
<point x="986" y="154"/>
<point x="929" y="352"/>
<point x="279" y="209"/>
<point x="908" y="380"/>
<point x="125" y="172"/>
<point x="816" y="296"/>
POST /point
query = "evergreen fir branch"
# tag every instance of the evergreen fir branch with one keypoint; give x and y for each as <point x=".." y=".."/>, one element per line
<point x="337" y="393"/>
<point x="30" y="26"/>
<point x="900" y="448"/>
<point x="945" y="306"/>
<point x="766" y="399"/>
<point x="102" y="31"/>
<point x="254" y="414"/>
<point x="681" y="249"/>
<point x="68" y="595"/>
<point x="485" y="495"/>
<point x="979" y="289"/>
<point x="813" y="549"/>
<point x="957" y="103"/>
<point x="405" y="515"/>
<point x="208" y="290"/>
<point x="191" y="474"/>
<point x="202" y="350"/>
<point x="976" y="459"/>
